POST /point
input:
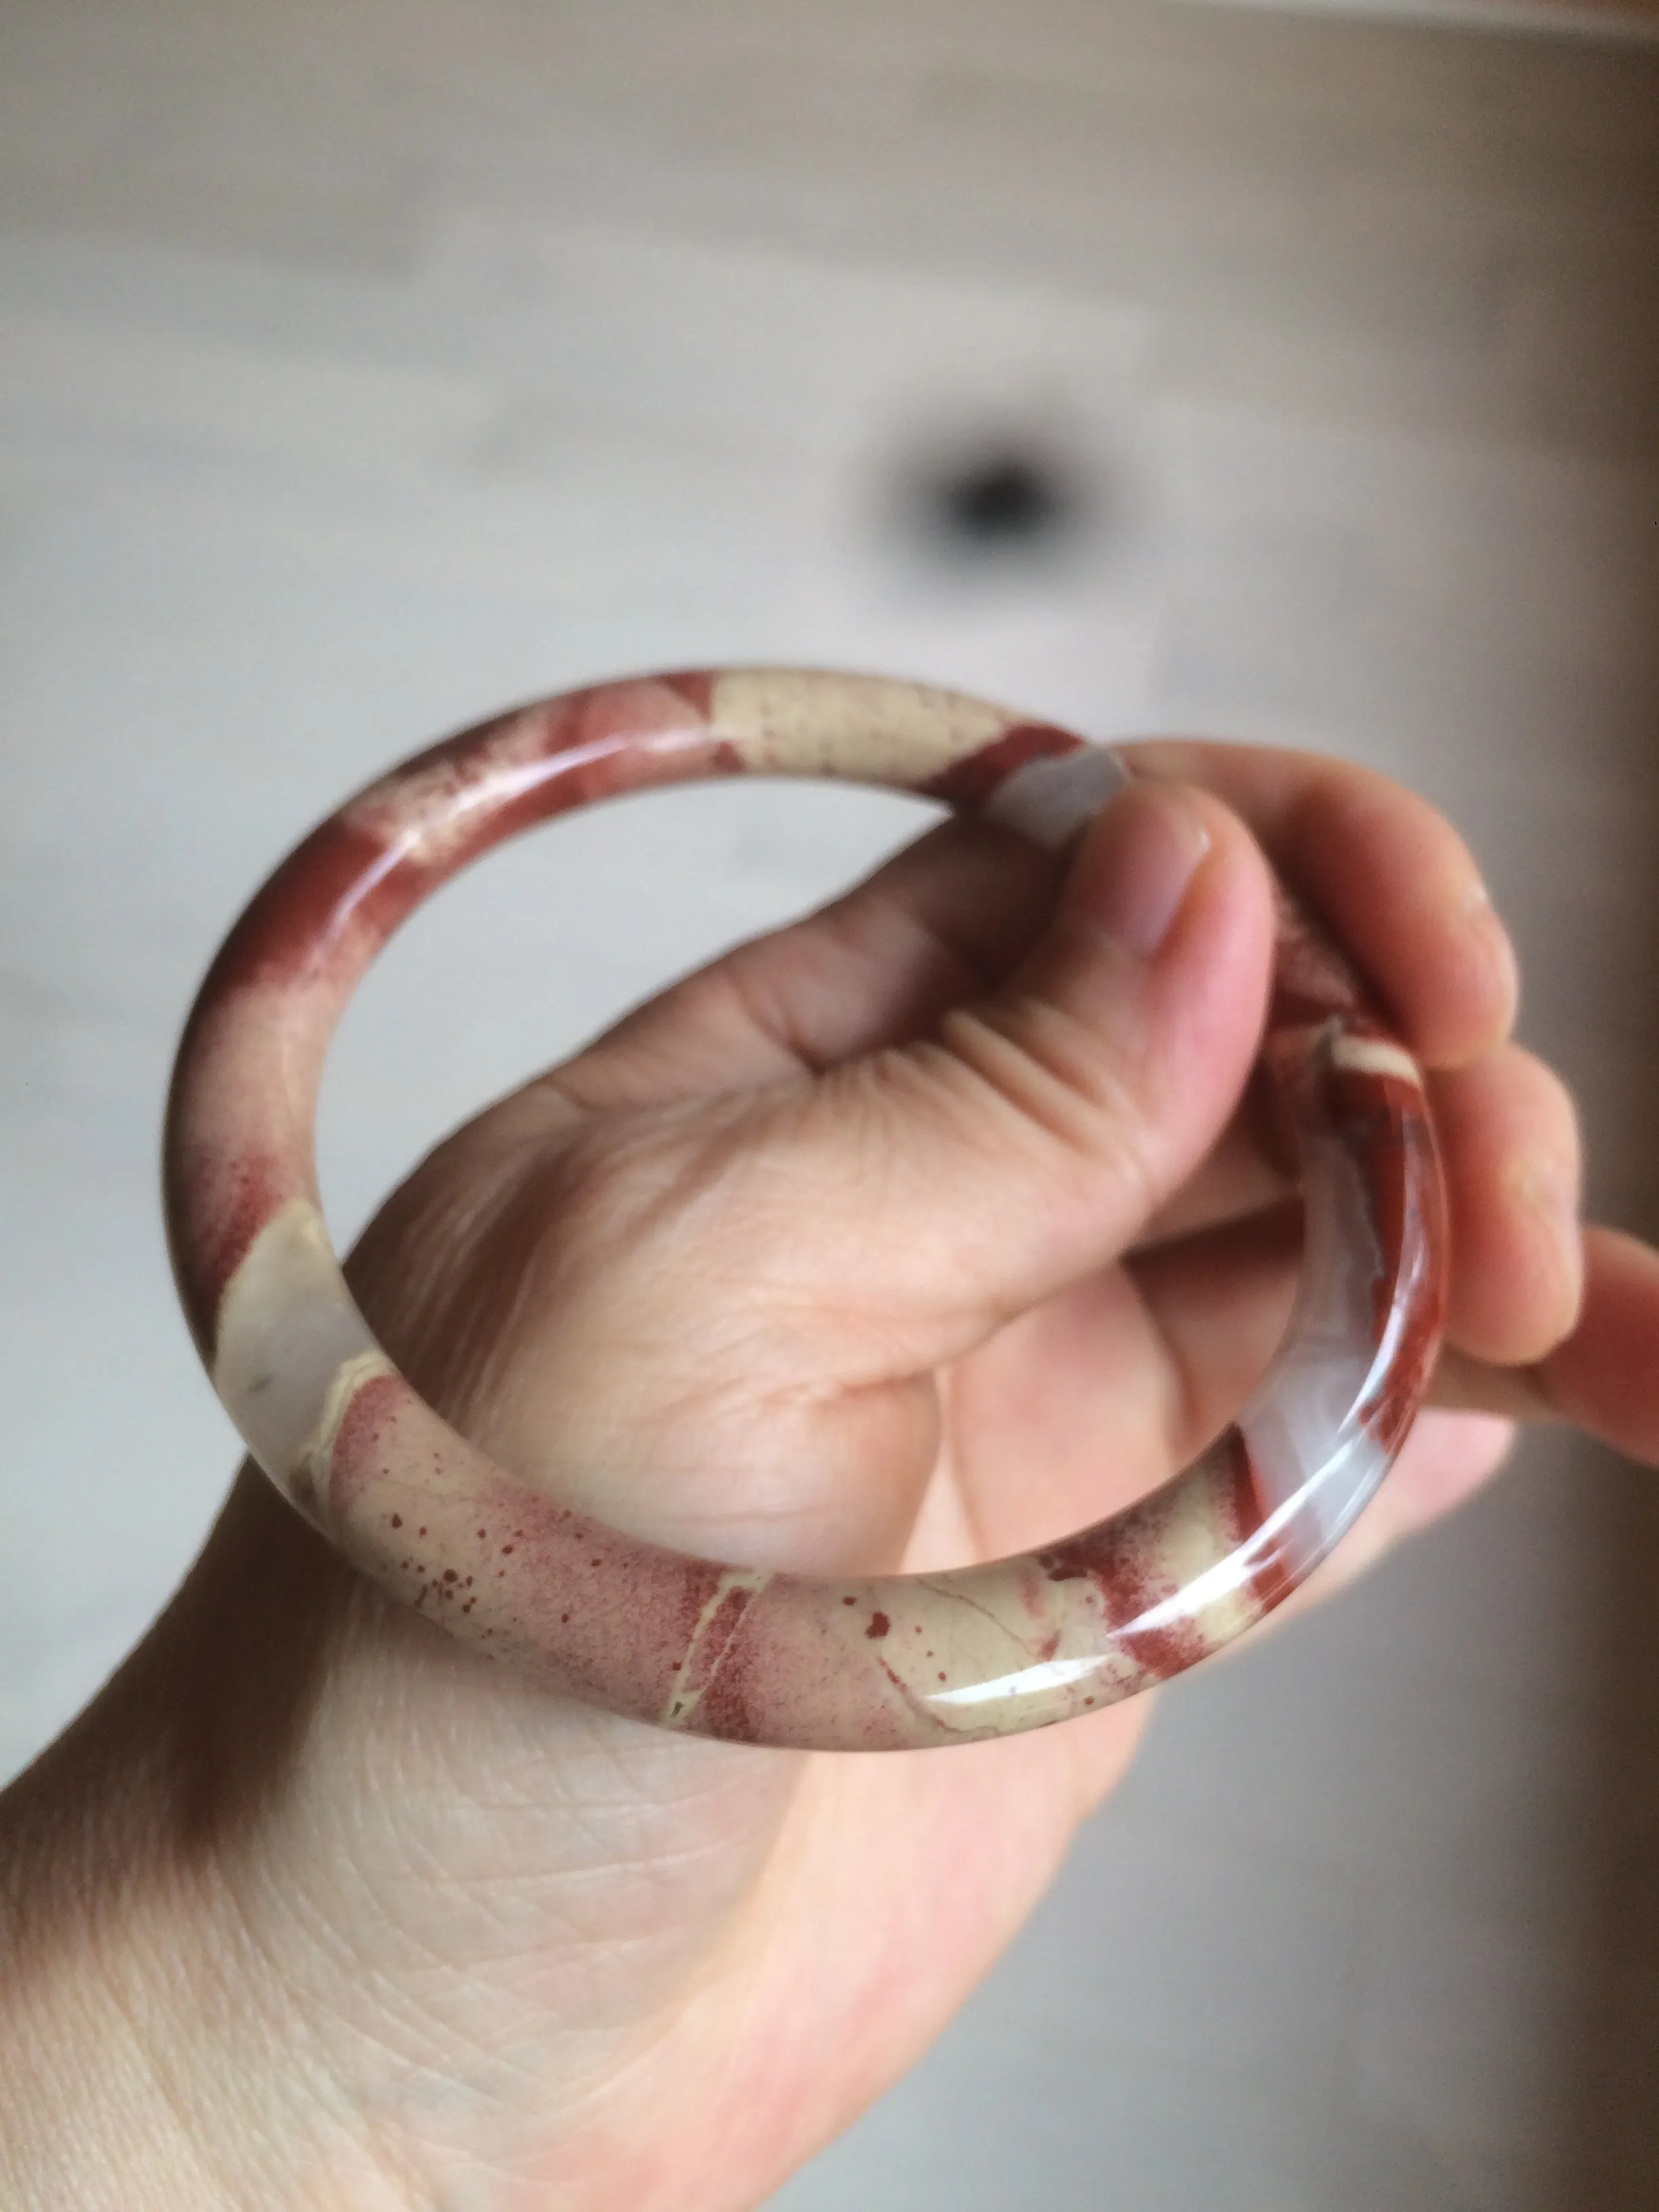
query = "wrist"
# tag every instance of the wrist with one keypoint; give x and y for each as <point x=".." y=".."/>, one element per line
<point x="151" y="2054"/>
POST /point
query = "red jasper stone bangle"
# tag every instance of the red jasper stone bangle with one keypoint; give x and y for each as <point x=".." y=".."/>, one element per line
<point x="703" y="1644"/>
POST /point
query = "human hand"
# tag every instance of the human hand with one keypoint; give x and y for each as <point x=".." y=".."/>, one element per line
<point x="818" y="1262"/>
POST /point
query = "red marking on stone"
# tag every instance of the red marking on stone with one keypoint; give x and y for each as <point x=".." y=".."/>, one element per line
<point x="849" y="1601"/>
<point x="880" y="1624"/>
<point x="507" y="1550"/>
<point x="593" y="745"/>
<point x="360" y="1450"/>
<point x="227" y="1198"/>
<point x="1246" y="1507"/>
<point x="1120" y="1559"/>
<point x="967" y="784"/>
<point x="336" y="898"/>
<point x="720" y="1664"/>
<point x="1389" y="1419"/>
<point x="695" y="686"/>
<point x="1381" y="1120"/>
<point x="297" y="919"/>
<point x="397" y="1520"/>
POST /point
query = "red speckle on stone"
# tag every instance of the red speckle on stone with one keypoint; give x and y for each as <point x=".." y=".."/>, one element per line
<point x="967" y="784"/>
<point x="420" y="1532"/>
<point x="358" y="1453"/>
<point x="450" y="1575"/>
<point x="481" y="1535"/>
<point x="507" y="1550"/>
<point x="397" y="1520"/>
<point x="849" y="1601"/>
<point x="880" y="1624"/>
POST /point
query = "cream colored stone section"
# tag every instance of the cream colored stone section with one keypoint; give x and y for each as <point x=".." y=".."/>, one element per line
<point x="1373" y="1056"/>
<point x="982" y="1630"/>
<point x="682" y="1704"/>
<point x="287" y="1329"/>
<point x="795" y="722"/>
<point x="1211" y="1589"/>
<point x="1050" y="800"/>
<point x="1193" y="1552"/>
<point x="348" y="1379"/>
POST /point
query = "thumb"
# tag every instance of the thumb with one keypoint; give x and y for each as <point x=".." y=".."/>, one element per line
<point x="1030" y="1137"/>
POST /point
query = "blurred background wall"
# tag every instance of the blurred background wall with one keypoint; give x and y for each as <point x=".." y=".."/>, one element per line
<point x="366" y="364"/>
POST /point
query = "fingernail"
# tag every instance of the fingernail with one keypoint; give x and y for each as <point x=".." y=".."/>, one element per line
<point x="1133" y="875"/>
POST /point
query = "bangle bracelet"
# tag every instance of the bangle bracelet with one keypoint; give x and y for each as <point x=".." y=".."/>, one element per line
<point x="889" y="1663"/>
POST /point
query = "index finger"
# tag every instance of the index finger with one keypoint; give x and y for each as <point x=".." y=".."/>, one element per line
<point x="1395" y="882"/>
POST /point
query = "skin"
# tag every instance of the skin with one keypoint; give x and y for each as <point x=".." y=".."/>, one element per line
<point x="850" y="1249"/>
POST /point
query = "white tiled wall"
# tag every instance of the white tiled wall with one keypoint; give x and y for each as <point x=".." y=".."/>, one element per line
<point x="363" y="368"/>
